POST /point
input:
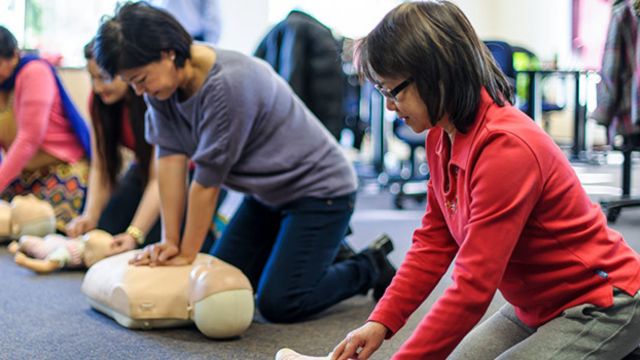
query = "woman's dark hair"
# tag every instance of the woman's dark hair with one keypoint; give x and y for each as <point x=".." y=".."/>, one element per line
<point x="137" y="35"/>
<point x="8" y="43"/>
<point x="434" y="42"/>
<point x="107" y="124"/>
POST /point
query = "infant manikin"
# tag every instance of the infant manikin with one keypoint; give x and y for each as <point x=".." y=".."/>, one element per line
<point x="55" y="252"/>
<point x="211" y="293"/>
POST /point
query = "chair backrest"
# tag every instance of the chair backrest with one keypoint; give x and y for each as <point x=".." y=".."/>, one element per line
<point x="503" y="54"/>
<point x="524" y="59"/>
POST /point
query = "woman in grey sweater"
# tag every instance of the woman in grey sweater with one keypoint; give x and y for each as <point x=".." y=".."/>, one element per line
<point x="244" y="129"/>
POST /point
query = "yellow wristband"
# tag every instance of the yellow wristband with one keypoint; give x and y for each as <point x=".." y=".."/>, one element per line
<point x="136" y="233"/>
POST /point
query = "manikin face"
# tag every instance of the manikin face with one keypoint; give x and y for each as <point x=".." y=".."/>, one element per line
<point x="159" y="79"/>
<point x="110" y="90"/>
<point x="406" y="103"/>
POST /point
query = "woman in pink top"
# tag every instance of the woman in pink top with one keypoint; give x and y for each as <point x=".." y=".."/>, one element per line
<point x="126" y="206"/>
<point x="43" y="152"/>
<point x="504" y="205"/>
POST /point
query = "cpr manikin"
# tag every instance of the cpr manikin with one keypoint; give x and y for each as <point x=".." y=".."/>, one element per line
<point x="214" y="295"/>
<point x="26" y="215"/>
<point x="54" y="252"/>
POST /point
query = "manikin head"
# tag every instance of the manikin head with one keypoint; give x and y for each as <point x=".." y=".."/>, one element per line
<point x="97" y="246"/>
<point x="26" y="215"/>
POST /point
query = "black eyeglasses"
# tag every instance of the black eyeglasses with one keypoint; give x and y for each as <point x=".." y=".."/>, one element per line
<point x="391" y="94"/>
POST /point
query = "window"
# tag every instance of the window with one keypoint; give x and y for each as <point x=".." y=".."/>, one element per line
<point x="53" y="27"/>
<point x="12" y="17"/>
<point x="341" y="16"/>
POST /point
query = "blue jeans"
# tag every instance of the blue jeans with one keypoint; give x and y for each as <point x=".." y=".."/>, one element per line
<point x="287" y="253"/>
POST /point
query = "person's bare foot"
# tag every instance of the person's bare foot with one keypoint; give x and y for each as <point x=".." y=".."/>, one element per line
<point x="288" y="354"/>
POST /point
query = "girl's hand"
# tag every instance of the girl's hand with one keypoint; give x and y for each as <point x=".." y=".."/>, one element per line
<point x="155" y="254"/>
<point x="361" y="342"/>
<point x="121" y="243"/>
<point x="80" y="225"/>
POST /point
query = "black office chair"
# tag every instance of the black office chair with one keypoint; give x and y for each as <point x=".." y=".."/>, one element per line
<point x="414" y="173"/>
<point x="613" y="208"/>
<point x="524" y="59"/>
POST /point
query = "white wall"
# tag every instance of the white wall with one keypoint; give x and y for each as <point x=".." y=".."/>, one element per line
<point x="244" y="23"/>
<point x="543" y="26"/>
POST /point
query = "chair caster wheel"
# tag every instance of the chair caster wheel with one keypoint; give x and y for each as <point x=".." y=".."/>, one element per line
<point x="612" y="214"/>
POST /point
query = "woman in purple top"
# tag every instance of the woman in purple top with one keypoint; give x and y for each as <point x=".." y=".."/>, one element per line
<point x="244" y="129"/>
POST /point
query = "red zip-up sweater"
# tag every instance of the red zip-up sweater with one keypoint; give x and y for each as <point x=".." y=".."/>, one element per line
<point x="509" y="205"/>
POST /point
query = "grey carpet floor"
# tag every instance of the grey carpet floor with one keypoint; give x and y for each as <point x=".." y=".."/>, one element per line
<point x="46" y="317"/>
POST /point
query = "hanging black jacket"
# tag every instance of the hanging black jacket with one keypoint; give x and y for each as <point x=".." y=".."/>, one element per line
<point x="305" y="53"/>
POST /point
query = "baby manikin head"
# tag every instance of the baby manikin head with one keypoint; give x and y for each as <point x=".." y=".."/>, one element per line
<point x="26" y="215"/>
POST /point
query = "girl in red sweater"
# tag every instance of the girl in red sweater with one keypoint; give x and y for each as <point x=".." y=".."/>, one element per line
<point x="504" y="205"/>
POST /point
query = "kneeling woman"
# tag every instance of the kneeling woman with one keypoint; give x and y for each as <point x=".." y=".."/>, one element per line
<point x="244" y="129"/>
<point x="127" y="207"/>
<point x="45" y="139"/>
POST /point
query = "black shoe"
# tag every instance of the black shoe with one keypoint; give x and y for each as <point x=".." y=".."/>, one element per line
<point x="634" y="355"/>
<point x="377" y="253"/>
<point x="382" y="243"/>
<point x="345" y="252"/>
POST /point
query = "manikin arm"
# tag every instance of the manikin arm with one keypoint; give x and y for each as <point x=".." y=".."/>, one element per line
<point x="37" y="265"/>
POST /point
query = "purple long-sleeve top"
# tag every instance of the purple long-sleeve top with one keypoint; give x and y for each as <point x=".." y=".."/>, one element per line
<point x="245" y="129"/>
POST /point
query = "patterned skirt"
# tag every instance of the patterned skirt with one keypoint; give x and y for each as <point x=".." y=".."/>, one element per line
<point x="64" y="186"/>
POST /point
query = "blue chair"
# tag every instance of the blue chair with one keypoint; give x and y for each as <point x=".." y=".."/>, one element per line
<point x="504" y="55"/>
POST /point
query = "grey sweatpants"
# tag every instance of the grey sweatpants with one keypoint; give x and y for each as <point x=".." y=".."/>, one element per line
<point x="581" y="332"/>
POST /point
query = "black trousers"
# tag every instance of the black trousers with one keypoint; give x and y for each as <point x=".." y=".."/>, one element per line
<point x="122" y="206"/>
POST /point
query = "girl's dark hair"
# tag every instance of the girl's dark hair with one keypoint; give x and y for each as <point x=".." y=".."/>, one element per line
<point x="434" y="42"/>
<point x="137" y="35"/>
<point x="8" y="43"/>
<point x="107" y="124"/>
